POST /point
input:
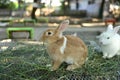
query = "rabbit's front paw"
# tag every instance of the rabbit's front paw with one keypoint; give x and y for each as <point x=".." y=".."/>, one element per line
<point x="54" y="68"/>
<point x="71" y="67"/>
<point x="110" y="56"/>
<point x="105" y="55"/>
<point x="56" y="65"/>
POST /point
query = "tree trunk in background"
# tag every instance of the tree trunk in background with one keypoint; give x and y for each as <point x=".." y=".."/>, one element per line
<point x="33" y="11"/>
<point x="77" y="5"/>
<point x="101" y="9"/>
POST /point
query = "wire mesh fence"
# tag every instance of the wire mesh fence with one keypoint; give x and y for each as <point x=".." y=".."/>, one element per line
<point x="23" y="61"/>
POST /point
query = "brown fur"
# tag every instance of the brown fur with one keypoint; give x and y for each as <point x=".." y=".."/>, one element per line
<point x="74" y="54"/>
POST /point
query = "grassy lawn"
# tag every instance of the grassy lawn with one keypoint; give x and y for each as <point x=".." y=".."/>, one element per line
<point x="31" y="62"/>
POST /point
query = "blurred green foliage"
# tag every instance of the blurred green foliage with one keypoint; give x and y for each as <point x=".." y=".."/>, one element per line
<point x="13" y="5"/>
<point x="7" y="4"/>
<point x="4" y="3"/>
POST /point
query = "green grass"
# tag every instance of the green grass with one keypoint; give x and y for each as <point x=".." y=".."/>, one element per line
<point x="43" y="20"/>
<point x="31" y="62"/>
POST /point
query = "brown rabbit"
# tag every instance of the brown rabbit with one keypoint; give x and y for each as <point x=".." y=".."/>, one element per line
<point x="69" y="49"/>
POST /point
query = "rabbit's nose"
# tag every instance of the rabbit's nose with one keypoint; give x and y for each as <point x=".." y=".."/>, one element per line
<point x="101" y="42"/>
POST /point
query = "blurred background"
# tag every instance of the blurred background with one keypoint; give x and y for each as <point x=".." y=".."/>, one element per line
<point x="22" y="22"/>
<point x="76" y="8"/>
<point x="49" y="13"/>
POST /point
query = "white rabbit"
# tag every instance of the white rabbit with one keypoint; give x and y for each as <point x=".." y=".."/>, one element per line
<point x="110" y="42"/>
<point x="69" y="48"/>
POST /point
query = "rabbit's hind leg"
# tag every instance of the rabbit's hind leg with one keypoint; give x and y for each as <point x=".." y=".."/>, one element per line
<point x="118" y="53"/>
<point x="105" y="55"/>
<point x="111" y="55"/>
<point x="74" y="66"/>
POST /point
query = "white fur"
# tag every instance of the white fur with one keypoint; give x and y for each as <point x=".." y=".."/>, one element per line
<point x="110" y="46"/>
<point x="60" y="35"/>
<point x="69" y="60"/>
<point x="62" y="48"/>
<point x="111" y="49"/>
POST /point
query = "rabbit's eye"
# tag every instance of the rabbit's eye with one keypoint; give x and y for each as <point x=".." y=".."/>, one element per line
<point x="49" y="33"/>
<point x="108" y="37"/>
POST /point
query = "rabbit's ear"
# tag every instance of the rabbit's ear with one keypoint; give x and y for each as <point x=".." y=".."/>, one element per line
<point x="116" y="29"/>
<point x="63" y="25"/>
<point x="110" y="27"/>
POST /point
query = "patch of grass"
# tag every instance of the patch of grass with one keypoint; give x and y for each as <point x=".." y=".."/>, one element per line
<point x="31" y="62"/>
<point x="43" y="20"/>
